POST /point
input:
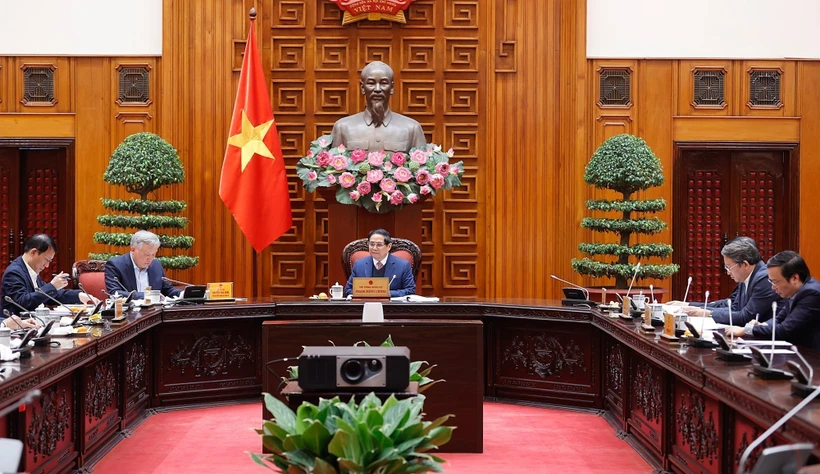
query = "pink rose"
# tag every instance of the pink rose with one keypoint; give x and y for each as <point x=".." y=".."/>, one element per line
<point x="388" y="166"/>
<point x="426" y="190"/>
<point x="450" y="153"/>
<point x="323" y="142"/>
<point x="374" y="176"/>
<point x="403" y="174"/>
<point x="455" y="170"/>
<point x="398" y="158"/>
<point x="347" y="180"/>
<point x="331" y="179"/>
<point x="437" y="181"/>
<point x="342" y="148"/>
<point x="396" y="198"/>
<point x="443" y="168"/>
<point x="323" y="159"/>
<point x="312" y="176"/>
<point x="358" y="156"/>
<point x="339" y="162"/>
<point x="413" y="198"/>
<point x="388" y="185"/>
<point x="310" y="154"/>
<point x="354" y="195"/>
<point x="377" y="197"/>
<point x="363" y="188"/>
<point x="375" y="158"/>
<point x="419" y="157"/>
<point x="423" y="177"/>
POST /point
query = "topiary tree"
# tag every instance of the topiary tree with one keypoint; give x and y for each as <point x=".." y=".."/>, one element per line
<point x="143" y="163"/>
<point x="625" y="164"/>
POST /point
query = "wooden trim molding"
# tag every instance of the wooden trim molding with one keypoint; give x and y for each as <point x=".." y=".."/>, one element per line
<point x="735" y="129"/>
<point x="26" y="125"/>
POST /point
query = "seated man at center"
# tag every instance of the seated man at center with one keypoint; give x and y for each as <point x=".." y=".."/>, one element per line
<point x="382" y="264"/>
<point x="138" y="269"/>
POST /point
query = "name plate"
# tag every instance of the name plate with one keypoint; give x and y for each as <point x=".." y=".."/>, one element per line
<point x="220" y="291"/>
<point x="375" y="287"/>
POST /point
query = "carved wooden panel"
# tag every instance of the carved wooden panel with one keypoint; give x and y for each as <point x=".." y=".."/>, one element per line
<point x="506" y="36"/>
<point x="615" y="87"/>
<point x="137" y="370"/>
<point x="757" y="210"/>
<point x="743" y="433"/>
<point x="764" y="88"/>
<point x="220" y="358"/>
<point x="646" y="384"/>
<point x="615" y="372"/>
<point x="709" y="88"/>
<point x="49" y="436"/>
<point x="38" y="85"/>
<point x="545" y="361"/>
<point x="703" y="232"/>
<point x="101" y="394"/>
<point x="697" y="426"/>
<point x="129" y="123"/>
<point x="8" y="203"/>
<point x="315" y="67"/>
<point x="134" y="84"/>
<point x="42" y="213"/>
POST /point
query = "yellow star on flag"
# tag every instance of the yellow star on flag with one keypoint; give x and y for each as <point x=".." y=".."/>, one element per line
<point x="251" y="140"/>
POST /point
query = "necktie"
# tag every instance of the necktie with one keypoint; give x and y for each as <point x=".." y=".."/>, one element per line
<point x="378" y="265"/>
<point x="742" y="294"/>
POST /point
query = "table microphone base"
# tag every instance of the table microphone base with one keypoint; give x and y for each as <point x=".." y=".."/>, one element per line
<point x="802" y="390"/>
<point x="25" y="352"/>
<point x="729" y="356"/>
<point x="700" y="343"/>
<point x="42" y="341"/>
<point x="766" y="373"/>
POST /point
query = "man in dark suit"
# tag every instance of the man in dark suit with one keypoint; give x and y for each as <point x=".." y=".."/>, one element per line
<point x="799" y="320"/>
<point x="382" y="264"/>
<point x="138" y="269"/>
<point x="22" y="279"/>
<point x="752" y="297"/>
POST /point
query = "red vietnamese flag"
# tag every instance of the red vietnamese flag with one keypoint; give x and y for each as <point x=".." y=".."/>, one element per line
<point x="254" y="184"/>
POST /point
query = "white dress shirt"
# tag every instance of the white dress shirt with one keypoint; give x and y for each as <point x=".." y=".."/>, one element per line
<point x="383" y="262"/>
<point x="32" y="274"/>
<point x="140" y="275"/>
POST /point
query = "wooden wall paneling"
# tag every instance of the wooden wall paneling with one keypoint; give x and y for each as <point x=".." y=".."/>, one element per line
<point x="787" y="85"/>
<point x="37" y="125"/>
<point x="809" y="96"/>
<point x="736" y="129"/>
<point x="686" y="94"/>
<point x="4" y="94"/>
<point x="196" y="85"/>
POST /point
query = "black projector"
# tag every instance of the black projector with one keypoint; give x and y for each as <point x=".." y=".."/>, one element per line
<point x="354" y="368"/>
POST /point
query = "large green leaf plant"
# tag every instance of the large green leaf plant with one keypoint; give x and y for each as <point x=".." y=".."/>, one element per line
<point x="345" y="438"/>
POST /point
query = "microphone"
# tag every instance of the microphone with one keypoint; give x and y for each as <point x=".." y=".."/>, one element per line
<point x="586" y="292"/>
<point x="191" y="284"/>
<point x="40" y="290"/>
<point x="729" y="302"/>
<point x="391" y="282"/>
<point x="8" y="298"/>
<point x="705" y="304"/>
<point x="652" y="293"/>
<point x="116" y="279"/>
<point x="794" y="451"/>
<point x="765" y="370"/>
<point x="634" y="275"/>
<point x="688" y="284"/>
<point x="28" y="398"/>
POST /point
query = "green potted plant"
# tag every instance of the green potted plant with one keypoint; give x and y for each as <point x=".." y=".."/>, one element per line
<point x="143" y="163"/>
<point x="339" y="438"/>
<point x="624" y="164"/>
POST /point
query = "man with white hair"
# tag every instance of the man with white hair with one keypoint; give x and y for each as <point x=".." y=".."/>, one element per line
<point x="138" y="268"/>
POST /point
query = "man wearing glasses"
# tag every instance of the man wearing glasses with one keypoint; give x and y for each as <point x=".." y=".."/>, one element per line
<point x="22" y="278"/>
<point x="799" y="320"/>
<point x="753" y="296"/>
<point x="382" y="264"/>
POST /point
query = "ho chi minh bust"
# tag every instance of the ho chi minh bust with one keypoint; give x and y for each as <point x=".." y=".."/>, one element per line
<point x="378" y="128"/>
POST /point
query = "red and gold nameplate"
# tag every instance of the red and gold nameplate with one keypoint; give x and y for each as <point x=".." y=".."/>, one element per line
<point x="373" y="10"/>
<point x="376" y="287"/>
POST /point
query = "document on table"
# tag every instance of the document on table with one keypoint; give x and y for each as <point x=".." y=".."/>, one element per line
<point x="708" y="324"/>
<point x="765" y="350"/>
<point x="763" y="342"/>
<point x="415" y="299"/>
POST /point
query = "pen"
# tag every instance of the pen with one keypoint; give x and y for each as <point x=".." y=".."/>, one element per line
<point x="757" y="317"/>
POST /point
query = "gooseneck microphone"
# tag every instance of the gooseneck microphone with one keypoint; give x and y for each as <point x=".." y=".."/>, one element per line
<point x="634" y="275"/>
<point x="116" y="279"/>
<point x="686" y="295"/>
<point x="8" y="298"/>
<point x="586" y="292"/>
<point x="40" y="290"/>
<point x="188" y="284"/>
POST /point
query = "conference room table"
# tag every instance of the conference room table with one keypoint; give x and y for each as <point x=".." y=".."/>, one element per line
<point x="680" y="407"/>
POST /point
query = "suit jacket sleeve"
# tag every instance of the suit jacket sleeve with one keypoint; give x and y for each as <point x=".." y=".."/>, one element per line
<point x="167" y="288"/>
<point x="14" y="285"/>
<point x="408" y="283"/>
<point x="112" y="271"/>
<point x="760" y="302"/>
<point x="790" y="323"/>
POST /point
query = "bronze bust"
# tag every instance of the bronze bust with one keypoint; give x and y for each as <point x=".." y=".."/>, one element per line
<point x="378" y="128"/>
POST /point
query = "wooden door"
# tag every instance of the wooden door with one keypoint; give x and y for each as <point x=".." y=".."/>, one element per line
<point x="722" y="194"/>
<point x="37" y="197"/>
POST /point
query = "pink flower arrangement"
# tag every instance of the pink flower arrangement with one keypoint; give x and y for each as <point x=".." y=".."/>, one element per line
<point x="379" y="181"/>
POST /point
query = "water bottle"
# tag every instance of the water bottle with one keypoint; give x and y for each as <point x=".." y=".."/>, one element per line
<point x="5" y="336"/>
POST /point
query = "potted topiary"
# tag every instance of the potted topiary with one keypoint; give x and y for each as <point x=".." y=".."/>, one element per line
<point x="624" y="164"/>
<point x="143" y="163"/>
<point x="336" y="437"/>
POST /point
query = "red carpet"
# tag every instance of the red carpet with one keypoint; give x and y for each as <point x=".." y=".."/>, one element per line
<point x="517" y="439"/>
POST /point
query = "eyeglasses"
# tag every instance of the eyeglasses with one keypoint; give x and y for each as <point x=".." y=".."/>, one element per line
<point x="729" y="268"/>
<point x="375" y="245"/>
<point x="774" y="283"/>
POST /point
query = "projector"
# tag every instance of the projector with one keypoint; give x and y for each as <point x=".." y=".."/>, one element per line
<point x="354" y="368"/>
